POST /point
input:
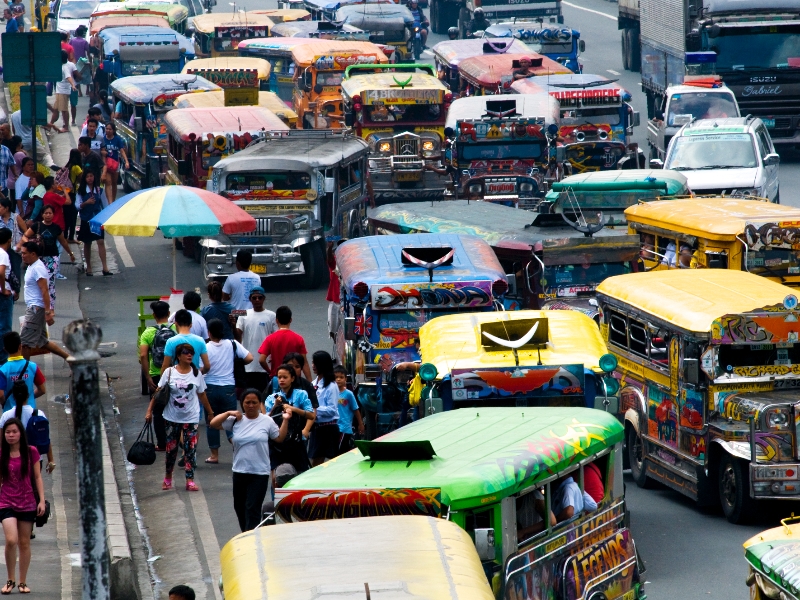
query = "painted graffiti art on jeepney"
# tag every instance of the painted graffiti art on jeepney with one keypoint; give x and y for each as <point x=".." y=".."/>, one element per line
<point x="545" y="35"/>
<point x="339" y="62"/>
<point x="769" y="325"/>
<point x="691" y="405"/>
<point x="432" y="295"/>
<point x="397" y="338"/>
<point x="730" y="405"/>
<point x="228" y="78"/>
<point x="766" y="370"/>
<point x="266" y="193"/>
<point x="409" y="222"/>
<point x="781" y="562"/>
<point x="662" y="422"/>
<point x="774" y="446"/>
<point x="241" y="32"/>
<point x="363" y="325"/>
<point x="562" y="380"/>
<point x="783" y="234"/>
<point x="489" y="129"/>
<point x="601" y="559"/>
<point x="314" y="505"/>
<point x="693" y="444"/>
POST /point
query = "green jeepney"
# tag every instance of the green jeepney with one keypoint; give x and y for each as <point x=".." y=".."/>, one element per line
<point x="492" y="471"/>
<point x="773" y="559"/>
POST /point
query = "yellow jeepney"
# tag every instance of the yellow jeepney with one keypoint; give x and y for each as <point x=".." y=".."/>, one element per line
<point x="216" y="99"/>
<point x="283" y="15"/>
<point x="175" y="15"/>
<point x="719" y="233"/>
<point x="232" y="71"/>
<point x="319" y="71"/>
<point x="219" y="34"/>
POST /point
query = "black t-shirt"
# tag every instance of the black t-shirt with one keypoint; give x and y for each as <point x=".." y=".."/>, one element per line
<point x="49" y="235"/>
<point x="93" y="162"/>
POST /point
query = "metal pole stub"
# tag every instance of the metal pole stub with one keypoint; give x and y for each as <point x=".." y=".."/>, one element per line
<point x="82" y="339"/>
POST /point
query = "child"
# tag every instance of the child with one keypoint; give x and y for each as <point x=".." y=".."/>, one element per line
<point x="348" y="407"/>
<point x="181" y="592"/>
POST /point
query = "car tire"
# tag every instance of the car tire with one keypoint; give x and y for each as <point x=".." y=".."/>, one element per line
<point x="634" y="51"/>
<point x="734" y="489"/>
<point x="637" y="461"/>
<point x="626" y="63"/>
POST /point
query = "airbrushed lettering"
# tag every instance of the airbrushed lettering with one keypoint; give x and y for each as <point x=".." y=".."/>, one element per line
<point x="762" y="90"/>
<point x="315" y="505"/>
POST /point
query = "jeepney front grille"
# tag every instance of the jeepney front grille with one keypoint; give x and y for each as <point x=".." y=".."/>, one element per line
<point x="406" y="146"/>
<point x="262" y="228"/>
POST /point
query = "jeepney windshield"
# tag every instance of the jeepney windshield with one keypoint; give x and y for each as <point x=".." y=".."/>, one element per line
<point x="586" y="274"/>
<point x="777" y="45"/>
<point x="717" y="151"/>
<point x="606" y="115"/>
<point x="502" y="150"/>
<point x="701" y="105"/>
<point x="330" y="78"/>
<point x="77" y="9"/>
<point x="404" y="113"/>
<point x="151" y="67"/>
<point x="267" y="180"/>
<point x="752" y="360"/>
<point x="773" y="261"/>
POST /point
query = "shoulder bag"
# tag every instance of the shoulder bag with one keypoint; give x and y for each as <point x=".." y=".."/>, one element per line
<point x="41" y="520"/>
<point x="161" y="395"/>
<point x="143" y="450"/>
<point x="239" y="373"/>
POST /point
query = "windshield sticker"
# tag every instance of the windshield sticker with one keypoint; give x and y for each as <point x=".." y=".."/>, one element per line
<point x="432" y="295"/>
<point x="339" y="62"/>
<point x="499" y="129"/>
<point x="313" y="505"/>
<point x="399" y="96"/>
<point x="565" y="380"/>
<point x="756" y="328"/>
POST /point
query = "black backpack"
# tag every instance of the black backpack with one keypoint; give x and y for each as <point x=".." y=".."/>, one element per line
<point x="163" y="333"/>
<point x="19" y="386"/>
<point x="38" y="432"/>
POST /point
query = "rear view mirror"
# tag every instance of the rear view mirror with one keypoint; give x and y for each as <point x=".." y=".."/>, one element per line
<point x="609" y="404"/>
<point x="581" y="45"/>
<point x="771" y="159"/>
<point x="656" y="163"/>
<point x="349" y="119"/>
<point x="484" y="543"/>
<point x="184" y="168"/>
<point x="717" y="260"/>
<point x="350" y="328"/>
<point x="636" y="119"/>
<point x="691" y="371"/>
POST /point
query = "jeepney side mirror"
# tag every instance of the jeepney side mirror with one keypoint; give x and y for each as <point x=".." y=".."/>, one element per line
<point x="610" y="404"/>
<point x="184" y="168"/>
<point x="656" y="163"/>
<point x="449" y="132"/>
<point x="138" y="124"/>
<point x="307" y="79"/>
<point x="581" y="45"/>
<point x="635" y="119"/>
<point x="691" y="371"/>
<point x="350" y="328"/>
<point x="561" y="154"/>
<point x="484" y="543"/>
<point x="318" y="88"/>
<point x="349" y="118"/>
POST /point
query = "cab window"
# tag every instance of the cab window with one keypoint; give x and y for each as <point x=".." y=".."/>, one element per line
<point x="646" y="341"/>
<point x="764" y="143"/>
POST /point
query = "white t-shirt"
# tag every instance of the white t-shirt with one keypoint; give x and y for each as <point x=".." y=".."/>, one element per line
<point x="238" y="285"/>
<point x="220" y="357"/>
<point x="251" y="443"/>
<point x="255" y="327"/>
<point x="21" y="184"/>
<point x="5" y="261"/>
<point x="183" y="405"/>
<point x="568" y="494"/>
<point x="199" y="325"/>
<point x="63" y="86"/>
<point x="35" y="272"/>
<point x="27" y="411"/>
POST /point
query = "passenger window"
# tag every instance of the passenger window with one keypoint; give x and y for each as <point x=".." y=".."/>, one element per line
<point x="617" y="330"/>
<point x="638" y="339"/>
<point x="530" y="515"/>
<point x="763" y="136"/>
<point x="763" y="149"/>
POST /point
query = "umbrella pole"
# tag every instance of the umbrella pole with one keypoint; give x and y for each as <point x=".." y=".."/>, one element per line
<point x="174" y="268"/>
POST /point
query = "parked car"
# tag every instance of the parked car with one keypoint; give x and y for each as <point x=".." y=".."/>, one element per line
<point x="70" y="14"/>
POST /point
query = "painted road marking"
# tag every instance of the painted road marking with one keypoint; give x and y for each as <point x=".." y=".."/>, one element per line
<point x="207" y="538"/>
<point x="427" y="53"/>
<point x="612" y="72"/>
<point x="122" y="250"/>
<point x="597" y="12"/>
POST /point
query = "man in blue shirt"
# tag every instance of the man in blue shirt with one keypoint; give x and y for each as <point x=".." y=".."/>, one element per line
<point x="11" y="22"/>
<point x="11" y="371"/>
<point x="183" y="322"/>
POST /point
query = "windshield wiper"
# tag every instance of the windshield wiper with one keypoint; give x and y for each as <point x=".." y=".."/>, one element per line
<point x="710" y="167"/>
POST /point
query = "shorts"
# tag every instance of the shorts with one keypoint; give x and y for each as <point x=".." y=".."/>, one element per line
<point x="73" y="98"/>
<point x="34" y="328"/>
<point x="324" y="441"/>
<point x="62" y="103"/>
<point x="346" y="442"/>
<point x="20" y="515"/>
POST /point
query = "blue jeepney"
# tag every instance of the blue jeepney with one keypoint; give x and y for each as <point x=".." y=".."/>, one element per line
<point x="145" y="50"/>
<point x="562" y="44"/>
<point x="323" y="30"/>
<point x="391" y="286"/>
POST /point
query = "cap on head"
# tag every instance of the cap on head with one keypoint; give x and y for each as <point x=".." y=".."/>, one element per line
<point x="257" y="290"/>
<point x="478" y="11"/>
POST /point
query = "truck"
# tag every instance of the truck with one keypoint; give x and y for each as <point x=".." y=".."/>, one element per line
<point x="628" y="24"/>
<point x="457" y="13"/>
<point x="753" y="47"/>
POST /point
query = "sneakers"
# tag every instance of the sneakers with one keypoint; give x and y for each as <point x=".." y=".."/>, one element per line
<point x="60" y="276"/>
<point x="167" y="485"/>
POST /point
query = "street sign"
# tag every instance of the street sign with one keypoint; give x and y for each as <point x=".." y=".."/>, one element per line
<point x="18" y="48"/>
<point x="245" y="96"/>
<point x="25" y="103"/>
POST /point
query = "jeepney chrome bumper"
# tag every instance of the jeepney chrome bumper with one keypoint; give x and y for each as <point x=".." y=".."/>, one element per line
<point x="428" y="186"/>
<point x="779" y="481"/>
<point x="268" y="260"/>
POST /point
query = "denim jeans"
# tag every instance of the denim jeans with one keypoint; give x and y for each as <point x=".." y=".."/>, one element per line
<point x="222" y="398"/>
<point x="6" y="313"/>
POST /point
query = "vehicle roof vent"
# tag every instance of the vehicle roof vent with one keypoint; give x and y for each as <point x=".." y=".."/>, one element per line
<point x="428" y="257"/>
<point x="396" y="451"/>
<point x="501" y="108"/>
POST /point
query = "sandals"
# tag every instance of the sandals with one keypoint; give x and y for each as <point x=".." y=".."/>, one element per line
<point x="107" y="273"/>
<point x="9" y="586"/>
<point x="211" y="461"/>
<point x="167" y="485"/>
<point x="27" y="590"/>
<point x="191" y="486"/>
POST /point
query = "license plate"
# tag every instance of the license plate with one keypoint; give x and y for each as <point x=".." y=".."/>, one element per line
<point x="494" y="189"/>
<point x="770" y="123"/>
<point x="258" y="268"/>
<point x="411" y="176"/>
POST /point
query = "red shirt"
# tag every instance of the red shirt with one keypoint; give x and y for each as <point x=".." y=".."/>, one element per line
<point x="593" y="482"/>
<point x="277" y="345"/>
<point x="334" y="287"/>
<point x="57" y="202"/>
<point x="69" y="50"/>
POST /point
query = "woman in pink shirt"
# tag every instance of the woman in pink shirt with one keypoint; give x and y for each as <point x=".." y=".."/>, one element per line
<point x="18" y="504"/>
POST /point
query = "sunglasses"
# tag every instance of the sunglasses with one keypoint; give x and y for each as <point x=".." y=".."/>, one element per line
<point x="189" y="352"/>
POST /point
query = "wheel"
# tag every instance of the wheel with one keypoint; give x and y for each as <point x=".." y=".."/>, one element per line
<point x="636" y="459"/>
<point x="734" y="489"/>
<point x="417" y="48"/>
<point x="635" y="48"/>
<point x="314" y="264"/>
<point x="626" y="61"/>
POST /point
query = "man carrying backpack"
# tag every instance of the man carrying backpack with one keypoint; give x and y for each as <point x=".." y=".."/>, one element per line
<point x="19" y="369"/>
<point x="151" y="354"/>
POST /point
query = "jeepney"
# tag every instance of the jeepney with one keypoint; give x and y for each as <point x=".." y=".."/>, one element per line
<point x="388" y="25"/>
<point x="284" y="15"/>
<point x="318" y="77"/>
<point x="522" y="358"/>
<point x="597" y="120"/>
<point x="431" y="559"/>
<point x="448" y="55"/>
<point x="325" y="10"/>
<point x="391" y="285"/>
<point x="232" y="71"/>
<point x="401" y="115"/>
<point x="323" y="30"/>
<point x="175" y="15"/>
<point x="146" y="50"/>
<point x="708" y="365"/>
<point x="491" y="478"/>
<point x="501" y="150"/>
<point x="548" y="265"/>
<point x="561" y="44"/>
<point x="216" y="99"/>
<point x="494" y="73"/>
<point x="772" y="557"/>
<point x="123" y="20"/>
<point x="610" y="193"/>
<point x="302" y="187"/>
<point x="219" y="34"/>
<point x="720" y="233"/>
<point x="141" y="102"/>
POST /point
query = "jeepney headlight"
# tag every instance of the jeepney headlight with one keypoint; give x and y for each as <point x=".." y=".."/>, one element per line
<point x="475" y="188"/>
<point x="525" y="187"/>
<point x="280" y="227"/>
<point x="778" y="418"/>
<point x="429" y="145"/>
<point x="385" y="147"/>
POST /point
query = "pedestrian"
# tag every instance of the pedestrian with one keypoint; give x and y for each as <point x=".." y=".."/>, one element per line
<point x="183" y="323"/>
<point x="238" y="285"/>
<point x="334" y="289"/>
<point x="18" y="11"/>
<point x="324" y="440"/>
<point x="181" y="592"/>
<point x="252" y="328"/>
<point x="7" y="166"/>
<point x="33" y="198"/>
<point x="63" y="90"/>
<point x="49" y="235"/>
<point x="218" y="309"/>
<point x="90" y="200"/>
<point x="39" y="313"/>
<point x="220" y="381"/>
<point x="23" y="411"/>
<point x="191" y="302"/>
<point x="91" y="160"/>
<point x="19" y="368"/>
<point x="293" y="449"/>
<point x="276" y="345"/>
<point x="152" y="344"/>
<point x="297" y="361"/>
<point x="102" y="105"/>
<point x="15" y="145"/>
<point x="187" y="389"/>
<point x="27" y="168"/>
<point x="80" y="47"/>
<point x="57" y="198"/>
<point x="112" y="148"/>
<point x="26" y="132"/>
<point x="11" y="22"/>
<point x="348" y="409"/>
<point x="75" y="171"/>
<point x="16" y="225"/>
<point x="20" y="504"/>
<point x="252" y="430"/>
<point x="100" y="128"/>
<point x="95" y="133"/>
<point x="6" y="291"/>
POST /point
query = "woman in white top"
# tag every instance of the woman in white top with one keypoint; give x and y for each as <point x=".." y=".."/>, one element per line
<point x="252" y="431"/>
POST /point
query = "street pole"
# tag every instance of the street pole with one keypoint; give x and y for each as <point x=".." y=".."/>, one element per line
<point x="82" y="339"/>
<point x="33" y="102"/>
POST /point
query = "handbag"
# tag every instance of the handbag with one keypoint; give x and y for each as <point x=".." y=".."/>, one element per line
<point x="161" y="395"/>
<point x="41" y="520"/>
<point x="239" y="373"/>
<point x="143" y="450"/>
<point x="112" y="164"/>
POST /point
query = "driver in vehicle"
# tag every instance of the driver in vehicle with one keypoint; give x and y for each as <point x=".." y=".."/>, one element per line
<point x="380" y="112"/>
<point x="524" y="69"/>
<point x="424" y="24"/>
<point x="479" y="22"/>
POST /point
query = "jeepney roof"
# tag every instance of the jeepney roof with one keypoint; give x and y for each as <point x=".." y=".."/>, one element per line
<point x="230" y="63"/>
<point x="304" y="54"/>
<point x="298" y="150"/>
<point x="269" y="100"/>
<point x="183" y="122"/>
<point x="453" y="341"/>
<point x="431" y="558"/>
<point x="176" y="12"/>
<point x="712" y="218"/>
<point x="482" y="455"/>
<point x="358" y="84"/>
<point x="101" y="22"/>
<point x="528" y="105"/>
<point x="692" y="299"/>
<point x="284" y="15"/>
<point x="452" y="52"/>
<point x="336" y="4"/>
<point x="362" y="14"/>
<point x="532" y="31"/>
<point x="143" y="89"/>
<point x="113" y="36"/>
<point x="208" y="22"/>
<point x="774" y="553"/>
<point x="575" y="83"/>
<point x="488" y="69"/>
<point x="694" y="89"/>
<point x="674" y="183"/>
<point x="274" y="45"/>
<point x="303" y="29"/>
